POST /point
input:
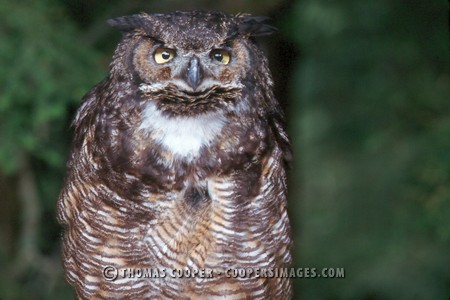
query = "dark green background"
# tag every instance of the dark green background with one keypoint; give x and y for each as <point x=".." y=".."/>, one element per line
<point x="365" y="86"/>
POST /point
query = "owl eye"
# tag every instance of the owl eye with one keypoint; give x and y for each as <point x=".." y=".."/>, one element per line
<point x="222" y="56"/>
<point x="163" y="55"/>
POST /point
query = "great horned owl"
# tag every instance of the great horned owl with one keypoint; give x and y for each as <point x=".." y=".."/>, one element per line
<point x="178" y="163"/>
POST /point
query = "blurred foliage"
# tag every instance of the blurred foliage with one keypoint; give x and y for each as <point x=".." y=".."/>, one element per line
<point x="44" y="71"/>
<point x="369" y="114"/>
<point x="371" y="128"/>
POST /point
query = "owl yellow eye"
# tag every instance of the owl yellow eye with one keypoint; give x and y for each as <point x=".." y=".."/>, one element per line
<point x="163" y="55"/>
<point x="222" y="56"/>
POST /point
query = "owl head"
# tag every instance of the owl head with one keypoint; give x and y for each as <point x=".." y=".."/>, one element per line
<point x="191" y="62"/>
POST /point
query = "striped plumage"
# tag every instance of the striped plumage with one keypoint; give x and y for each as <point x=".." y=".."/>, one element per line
<point x="179" y="165"/>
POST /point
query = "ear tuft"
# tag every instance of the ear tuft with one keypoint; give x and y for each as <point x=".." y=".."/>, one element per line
<point x="255" y="26"/>
<point x="129" y="23"/>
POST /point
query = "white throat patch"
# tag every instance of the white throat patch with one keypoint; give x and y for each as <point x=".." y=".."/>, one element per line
<point x="184" y="136"/>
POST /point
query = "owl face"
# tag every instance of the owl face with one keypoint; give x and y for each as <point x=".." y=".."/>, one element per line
<point x="192" y="71"/>
<point x="189" y="63"/>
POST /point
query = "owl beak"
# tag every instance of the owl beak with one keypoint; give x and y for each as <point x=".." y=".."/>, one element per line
<point x="194" y="73"/>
